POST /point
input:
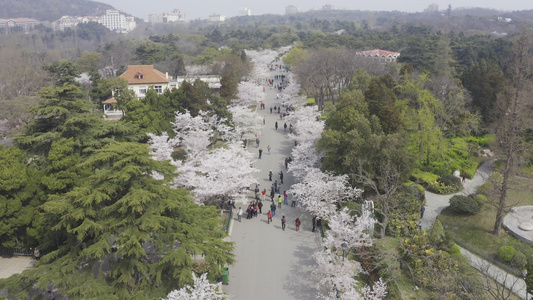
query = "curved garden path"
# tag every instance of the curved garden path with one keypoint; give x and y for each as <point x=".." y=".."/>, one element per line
<point x="437" y="203"/>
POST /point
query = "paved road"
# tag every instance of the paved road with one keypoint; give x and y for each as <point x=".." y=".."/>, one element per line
<point x="272" y="263"/>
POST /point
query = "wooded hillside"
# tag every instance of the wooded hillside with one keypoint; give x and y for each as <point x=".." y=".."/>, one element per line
<point x="50" y="10"/>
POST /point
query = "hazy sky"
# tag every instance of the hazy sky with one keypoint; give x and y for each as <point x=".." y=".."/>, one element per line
<point x="194" y="9"/>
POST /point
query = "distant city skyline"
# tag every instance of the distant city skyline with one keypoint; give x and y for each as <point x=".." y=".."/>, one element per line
<point x="204" y="8"/>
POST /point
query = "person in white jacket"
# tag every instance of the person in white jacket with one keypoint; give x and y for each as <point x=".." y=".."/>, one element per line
<point x="239" y="214"/>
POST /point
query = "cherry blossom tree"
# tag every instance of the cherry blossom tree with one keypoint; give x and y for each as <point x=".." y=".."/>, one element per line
<point x="192" y="133"/>
<point x="222" y="172"/>
<point x="306" y="125"/>
<point x="321" y="193"/>
<point x="247" y="123"/>
<point x="290" y="95"/>
<point x="201" y="289"/>
<point x="261" y="60"/>
<point x="160" y="148"/>
<point x="349" y="230"/>
<point x="209" y="174"/>
<point x="249" y="94"/>
<point x="335" y="276"/>
<point x="304" y="157"/>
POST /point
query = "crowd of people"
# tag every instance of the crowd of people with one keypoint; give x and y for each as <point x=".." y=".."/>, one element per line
<point x="278" y="197"/>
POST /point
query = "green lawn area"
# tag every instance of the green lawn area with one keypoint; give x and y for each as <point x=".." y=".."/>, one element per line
<point x="475" y="230"/>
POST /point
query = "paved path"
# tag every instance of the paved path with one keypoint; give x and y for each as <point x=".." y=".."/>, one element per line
<point x="271" y="263"/>
<point x="513" y="283"/>
<point x="437" y="203"/>
<point x="14" y="265"/>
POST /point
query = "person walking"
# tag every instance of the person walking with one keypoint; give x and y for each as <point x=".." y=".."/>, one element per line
<point x="293" y="202"/>
<point x="286" y="162"/>
<point x="285" y="196"/>
<point x="239" y="214"/>
<point x="270" y="175"/>
<point x="281" y="176"/>
<point x="269" y="217"/>
<point x="280" y="200"/>
<point x="422" y="210"/>
<point x="273" y="209"/>
<point x="283" y="221"/>
<point x="260" y="153"/>
<point x="463" y="176"/>
<point x="272" y="195"/>
<point x="318" y="223"/>
<point x="297" y="223"/>
<point x="281" y="116"/>
<point x="285" y="127"/>
<point x="270" y="108"/>
<point x="276" y="125"/>
<point x="260" y="207"/>
<point x="264" y="120"/>
<point x="263" y="194"/>
<point x="268" y="148"/>
<point x="314" y="224"/>
<point x="257" y="142"/>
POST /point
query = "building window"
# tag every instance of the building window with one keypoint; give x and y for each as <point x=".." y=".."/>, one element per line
<point x="158" y="89"/>
<point x="142" y="90"/>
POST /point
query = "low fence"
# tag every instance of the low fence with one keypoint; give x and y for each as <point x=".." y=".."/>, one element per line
<point x="16" y="251"/>
<point x="493" y="261"/>
<point x="227" y="222"/>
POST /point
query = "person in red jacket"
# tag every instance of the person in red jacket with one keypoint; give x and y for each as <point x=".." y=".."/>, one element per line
<point x="269" y="216"/>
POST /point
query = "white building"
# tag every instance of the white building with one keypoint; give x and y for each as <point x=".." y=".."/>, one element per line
<point x="217" y="18"/>
<point x="71" y="22"/>
<point x="118" y="22"/>
<point x="175" y="16"/>
<point x="245" y="12"/>
<point x="291" y="9"/>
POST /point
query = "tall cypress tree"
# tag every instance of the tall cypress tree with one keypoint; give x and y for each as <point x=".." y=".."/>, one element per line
<point x="123" y="234"/>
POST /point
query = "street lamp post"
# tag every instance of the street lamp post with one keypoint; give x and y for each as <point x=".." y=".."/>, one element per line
<point x="344" y="247"/>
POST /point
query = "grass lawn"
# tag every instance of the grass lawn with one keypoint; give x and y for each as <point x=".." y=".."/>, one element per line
<point x="475" y="230"/>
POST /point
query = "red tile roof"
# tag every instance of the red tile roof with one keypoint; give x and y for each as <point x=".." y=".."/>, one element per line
<point x="144" y="74"/>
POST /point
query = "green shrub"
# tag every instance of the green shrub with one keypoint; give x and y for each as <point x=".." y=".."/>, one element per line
<point x="452" y="181"/>
<point x="454" y="249"/>
<point x="519" y="260"/>
<point x="506" y="253"/>
<point x="425" y="177"/>
<point x="440" y="188"/>
<point x="482" y="141"/>
<point x="481" y="200"/>
<point x="416" y="188"/>
<point x="464" y="204"/>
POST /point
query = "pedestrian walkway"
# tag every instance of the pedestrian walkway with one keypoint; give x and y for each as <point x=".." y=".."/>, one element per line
<point x="272" y="263"/>
<point x="437" y="203"/>
<point x="14" y="265"/>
